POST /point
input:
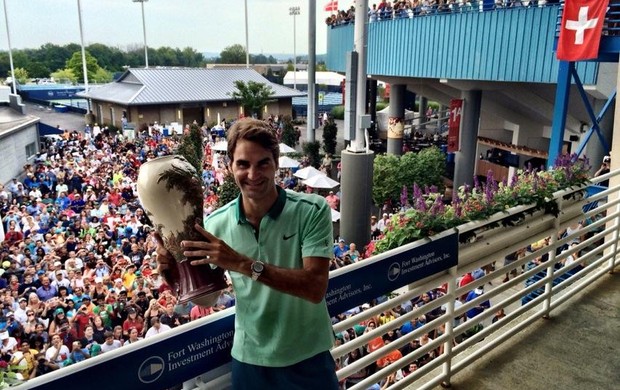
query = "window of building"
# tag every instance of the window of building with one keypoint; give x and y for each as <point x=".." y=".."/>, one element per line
<point x="31" y="149"/>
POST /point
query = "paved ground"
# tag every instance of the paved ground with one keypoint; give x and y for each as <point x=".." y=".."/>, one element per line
<point x="66" y="120"/>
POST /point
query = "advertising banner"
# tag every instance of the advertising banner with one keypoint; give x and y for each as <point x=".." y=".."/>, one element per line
<point x="454" y="125"/>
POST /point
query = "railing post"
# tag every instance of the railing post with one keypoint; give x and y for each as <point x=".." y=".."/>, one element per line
<point x="447" y="349"/>
<point x="551" y="261"/>
<point x="614" y="247"/>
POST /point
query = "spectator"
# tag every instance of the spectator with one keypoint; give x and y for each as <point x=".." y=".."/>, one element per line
<point x="156" y="328"/>
<point x="110" y="343"/>
<point x="333" y="200"/>
<point x="341" y="249"/>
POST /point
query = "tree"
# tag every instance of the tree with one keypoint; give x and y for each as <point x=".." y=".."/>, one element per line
<point x="253" y="96"/>
<point x="38" y="70"/>
<point x="191" y="148"/>
<point x="330" y="131"/>
<point x="75" y="64"/>
<point x="64" y="75"/>
<point x="228" y="191"/>
<point x="311" y="149"/>
<point x="101" y="76"/>
<point x="290" y="136"/>
<point x="21" y="75"/>
<point x="234" y="54"/>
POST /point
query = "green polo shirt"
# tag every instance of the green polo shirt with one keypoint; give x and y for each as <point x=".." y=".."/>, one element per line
<point x="272" y="328"/>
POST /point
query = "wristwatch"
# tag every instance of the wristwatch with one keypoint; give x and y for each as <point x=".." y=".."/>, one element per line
<point x="257" y="269"/>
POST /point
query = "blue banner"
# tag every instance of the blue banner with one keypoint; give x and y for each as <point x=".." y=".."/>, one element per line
<point x="167" y="363"/>
<point x="354" y="288"/>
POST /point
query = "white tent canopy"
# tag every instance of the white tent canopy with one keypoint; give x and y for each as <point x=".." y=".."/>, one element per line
<point x="308" y="172"/>
<point x="285" y="149"/>
<point x="335" y="215"/>
<point x="287" y="162"/>
<point x="320" y="181"/>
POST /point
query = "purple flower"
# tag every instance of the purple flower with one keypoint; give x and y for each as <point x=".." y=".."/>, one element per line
<point x="403" y="196"/>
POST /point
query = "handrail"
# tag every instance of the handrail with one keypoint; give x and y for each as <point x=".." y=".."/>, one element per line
<point x="536" y="300"/>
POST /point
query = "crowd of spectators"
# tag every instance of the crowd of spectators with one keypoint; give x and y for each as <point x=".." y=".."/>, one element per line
<point x="78" y="271"/>
<point x="393" y="334"/>
<point x="403" y="9"/>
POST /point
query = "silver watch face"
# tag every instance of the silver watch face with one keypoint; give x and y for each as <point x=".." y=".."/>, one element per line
<point x="258" y="267"/>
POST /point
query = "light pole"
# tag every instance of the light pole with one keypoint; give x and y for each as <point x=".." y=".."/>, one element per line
<point x="8" y="38"/>
<point x="84" y="69"/>
<point x="146" y="50"/>
<point x="247" y="40"/>
<point x="294" y="11"/>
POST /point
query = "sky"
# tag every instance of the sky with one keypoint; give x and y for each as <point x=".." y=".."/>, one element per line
<point x="204" y="25"/>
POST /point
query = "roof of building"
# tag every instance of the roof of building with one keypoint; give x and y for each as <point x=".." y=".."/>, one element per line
<point x="11" y="120"/>
<point x="161" y="85"/>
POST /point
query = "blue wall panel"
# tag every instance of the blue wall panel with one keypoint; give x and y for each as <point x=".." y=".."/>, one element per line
<point x="504" y="45"/>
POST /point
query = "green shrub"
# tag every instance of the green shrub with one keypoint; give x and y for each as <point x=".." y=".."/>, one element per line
<point x="290" y="136"/>
<point x="311" y="149"/>
<point x="382" y="105"/>
<point x="330" y="132"/>
<point x="337" y="112"/>
<point x="392" y="172"/>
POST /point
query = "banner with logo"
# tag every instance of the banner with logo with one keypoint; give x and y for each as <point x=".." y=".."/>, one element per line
<point x="581" y="29"/>
<point x="348" y="290"/>
<point x="454" y="125"/>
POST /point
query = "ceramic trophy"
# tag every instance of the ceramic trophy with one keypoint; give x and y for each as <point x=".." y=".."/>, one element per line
<point x="171" y="194"/>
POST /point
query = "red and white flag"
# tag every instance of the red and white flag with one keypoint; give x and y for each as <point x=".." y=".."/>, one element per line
<point x="582" y="26"/>
<point x="331" y="6"/>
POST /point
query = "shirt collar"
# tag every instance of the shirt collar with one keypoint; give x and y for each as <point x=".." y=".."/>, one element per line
<point x="274" y="212"/>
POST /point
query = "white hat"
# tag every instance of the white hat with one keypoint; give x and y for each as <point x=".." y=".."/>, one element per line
<point x="4" y="335"/>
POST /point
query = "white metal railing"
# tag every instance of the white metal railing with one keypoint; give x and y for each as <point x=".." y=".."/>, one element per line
<point x="148" y="364"/>
<point x="555" y="284"/>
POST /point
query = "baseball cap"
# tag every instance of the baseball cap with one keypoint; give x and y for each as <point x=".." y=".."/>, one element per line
<point x="341" y="240"/>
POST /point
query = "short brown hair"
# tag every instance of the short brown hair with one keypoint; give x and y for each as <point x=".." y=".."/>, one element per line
<point x="253" y="130"/>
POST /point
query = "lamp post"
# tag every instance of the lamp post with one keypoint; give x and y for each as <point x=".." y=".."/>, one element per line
<point x="84" y="68"/>
<point x="294" y="11"/>
<point x="247" y="40"/>
<point x="146" y="51"/>
<point x="8" y="38"/>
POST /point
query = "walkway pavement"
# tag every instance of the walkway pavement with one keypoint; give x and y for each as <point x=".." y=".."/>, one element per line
<point x="577" y="348"/>
<point x="66" y="120"/>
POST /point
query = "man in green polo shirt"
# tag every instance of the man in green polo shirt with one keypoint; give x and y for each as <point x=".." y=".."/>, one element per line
<point x="276" y="245"/>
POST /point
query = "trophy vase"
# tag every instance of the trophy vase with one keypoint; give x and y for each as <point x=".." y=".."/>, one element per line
<point x="171" y="194"/>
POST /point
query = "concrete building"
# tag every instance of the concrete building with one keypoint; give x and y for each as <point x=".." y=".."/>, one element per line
<point x="19" y="135"/>
<point x="179" y="95"/>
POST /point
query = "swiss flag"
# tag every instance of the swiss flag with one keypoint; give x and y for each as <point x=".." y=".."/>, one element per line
<point x="331" y="6"/>
<point x="580" y="33"/>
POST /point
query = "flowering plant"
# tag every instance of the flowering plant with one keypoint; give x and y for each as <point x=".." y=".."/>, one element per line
<point x="425" y="213"/>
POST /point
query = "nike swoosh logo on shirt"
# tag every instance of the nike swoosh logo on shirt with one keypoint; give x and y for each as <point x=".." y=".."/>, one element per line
<point x="285" y="237"/>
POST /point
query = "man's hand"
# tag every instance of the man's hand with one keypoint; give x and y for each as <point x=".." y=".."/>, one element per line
<point x="214" y="251"/>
